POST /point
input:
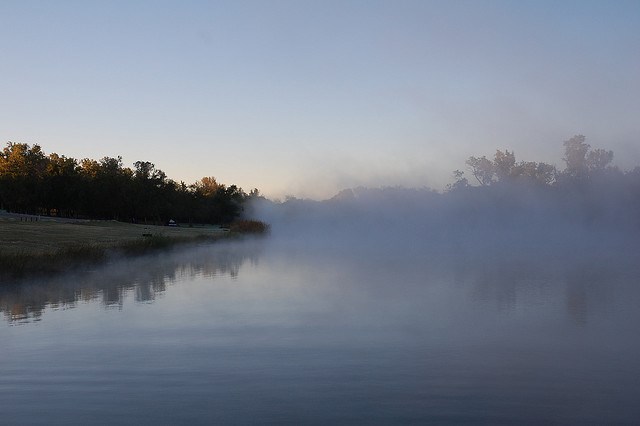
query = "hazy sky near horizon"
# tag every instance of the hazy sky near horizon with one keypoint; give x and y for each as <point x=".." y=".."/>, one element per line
<point x="306" y="98"/>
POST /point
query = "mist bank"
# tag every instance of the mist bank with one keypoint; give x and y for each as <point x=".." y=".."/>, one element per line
<point x="489" y="217"/>
<point x="504" y="207"/>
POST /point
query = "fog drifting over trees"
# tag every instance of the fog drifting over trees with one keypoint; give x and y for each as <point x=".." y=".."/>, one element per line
<point x="495" y="205"/>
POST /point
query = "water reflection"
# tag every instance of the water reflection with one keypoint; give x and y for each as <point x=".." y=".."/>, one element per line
<point x="351" y="335"/>
<point x="580" y="286"/>
<point x="145" y="277"/>
<point x="583" y="285"/>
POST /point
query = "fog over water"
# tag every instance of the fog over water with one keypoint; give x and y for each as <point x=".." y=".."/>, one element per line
<point x="503" y="219"/>
<point x="506" y="304"/>
<point x="508" y="293"/>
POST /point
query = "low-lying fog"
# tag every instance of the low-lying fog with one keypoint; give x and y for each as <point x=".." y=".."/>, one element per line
<point x="504" y="220"/>
<point x="507" y="303"/>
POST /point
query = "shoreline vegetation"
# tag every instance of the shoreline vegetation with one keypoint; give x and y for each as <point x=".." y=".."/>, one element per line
<point x="32" y="245"/>
<point x="33" y="182"/>
<point x="57" y="212"/>
<point x="499" y="201"/>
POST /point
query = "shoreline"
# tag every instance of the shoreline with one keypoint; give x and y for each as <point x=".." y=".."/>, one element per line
<point x="30" y="247"/>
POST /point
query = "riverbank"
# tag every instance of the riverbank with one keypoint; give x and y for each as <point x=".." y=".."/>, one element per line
<point x="29" y="246"/>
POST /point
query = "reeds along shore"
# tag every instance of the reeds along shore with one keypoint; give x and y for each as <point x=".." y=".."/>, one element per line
<point x="21" y="256"/>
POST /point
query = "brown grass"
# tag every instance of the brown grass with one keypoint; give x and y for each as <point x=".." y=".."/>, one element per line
<point x="249" y="227"/>
<point x="50" y="246"/>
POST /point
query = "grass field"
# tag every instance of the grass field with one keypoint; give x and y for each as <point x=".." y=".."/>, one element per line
<point x="29" y="246"/>
<point x="46" y="236"/>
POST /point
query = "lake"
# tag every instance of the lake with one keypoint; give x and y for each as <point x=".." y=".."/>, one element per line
<point x="269" y="331"/>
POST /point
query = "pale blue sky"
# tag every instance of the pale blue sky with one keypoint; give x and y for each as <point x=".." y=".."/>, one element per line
<point x="306" y="98"/>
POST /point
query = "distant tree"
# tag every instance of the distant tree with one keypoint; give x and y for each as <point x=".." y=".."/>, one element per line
<point x="230" y="200"/>
<point x="33" y="182"/>
<point x="149" y="186"/>
<point x="143" y="170"/>
<point x="508" y="170"/>
<point x="581" y="161"/>
<point x="105" y="187"/>
<point x="207" y="186"/>
<point x="216" y="202"/>
<point x="540" y="173"/>
<point x="459" y="183"/>
<point x="575" y="151"/>
<point x="62" y="186"/>
<point x="598" y="160"/>
<point x="504" y="164"/>
<point x="113" y="181"/>
<point x="482" y="169"/>
<point x="22" y="171"/>
<point x="182" y="201"/>
<point x="22" y="160"/>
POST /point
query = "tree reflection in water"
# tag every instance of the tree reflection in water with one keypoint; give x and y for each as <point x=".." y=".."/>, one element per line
<point x="146" y="277"/>
<point x="583" y="283"/>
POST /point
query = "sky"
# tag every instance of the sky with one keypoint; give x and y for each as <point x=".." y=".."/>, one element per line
<point x="305" y="98"/>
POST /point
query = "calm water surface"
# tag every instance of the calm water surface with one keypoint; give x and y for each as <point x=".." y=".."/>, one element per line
<point x="258" y="332"/>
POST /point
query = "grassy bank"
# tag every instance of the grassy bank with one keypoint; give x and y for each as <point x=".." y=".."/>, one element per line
<point x="44" y="246"/>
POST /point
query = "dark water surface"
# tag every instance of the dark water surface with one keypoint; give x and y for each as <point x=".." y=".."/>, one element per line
<point x="258" y="332"/>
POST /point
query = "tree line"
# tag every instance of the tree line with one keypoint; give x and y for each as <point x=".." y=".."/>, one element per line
<point x="589" y="188"/>
<point x="583" y="164"/>
<point x="34" y="182"/>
